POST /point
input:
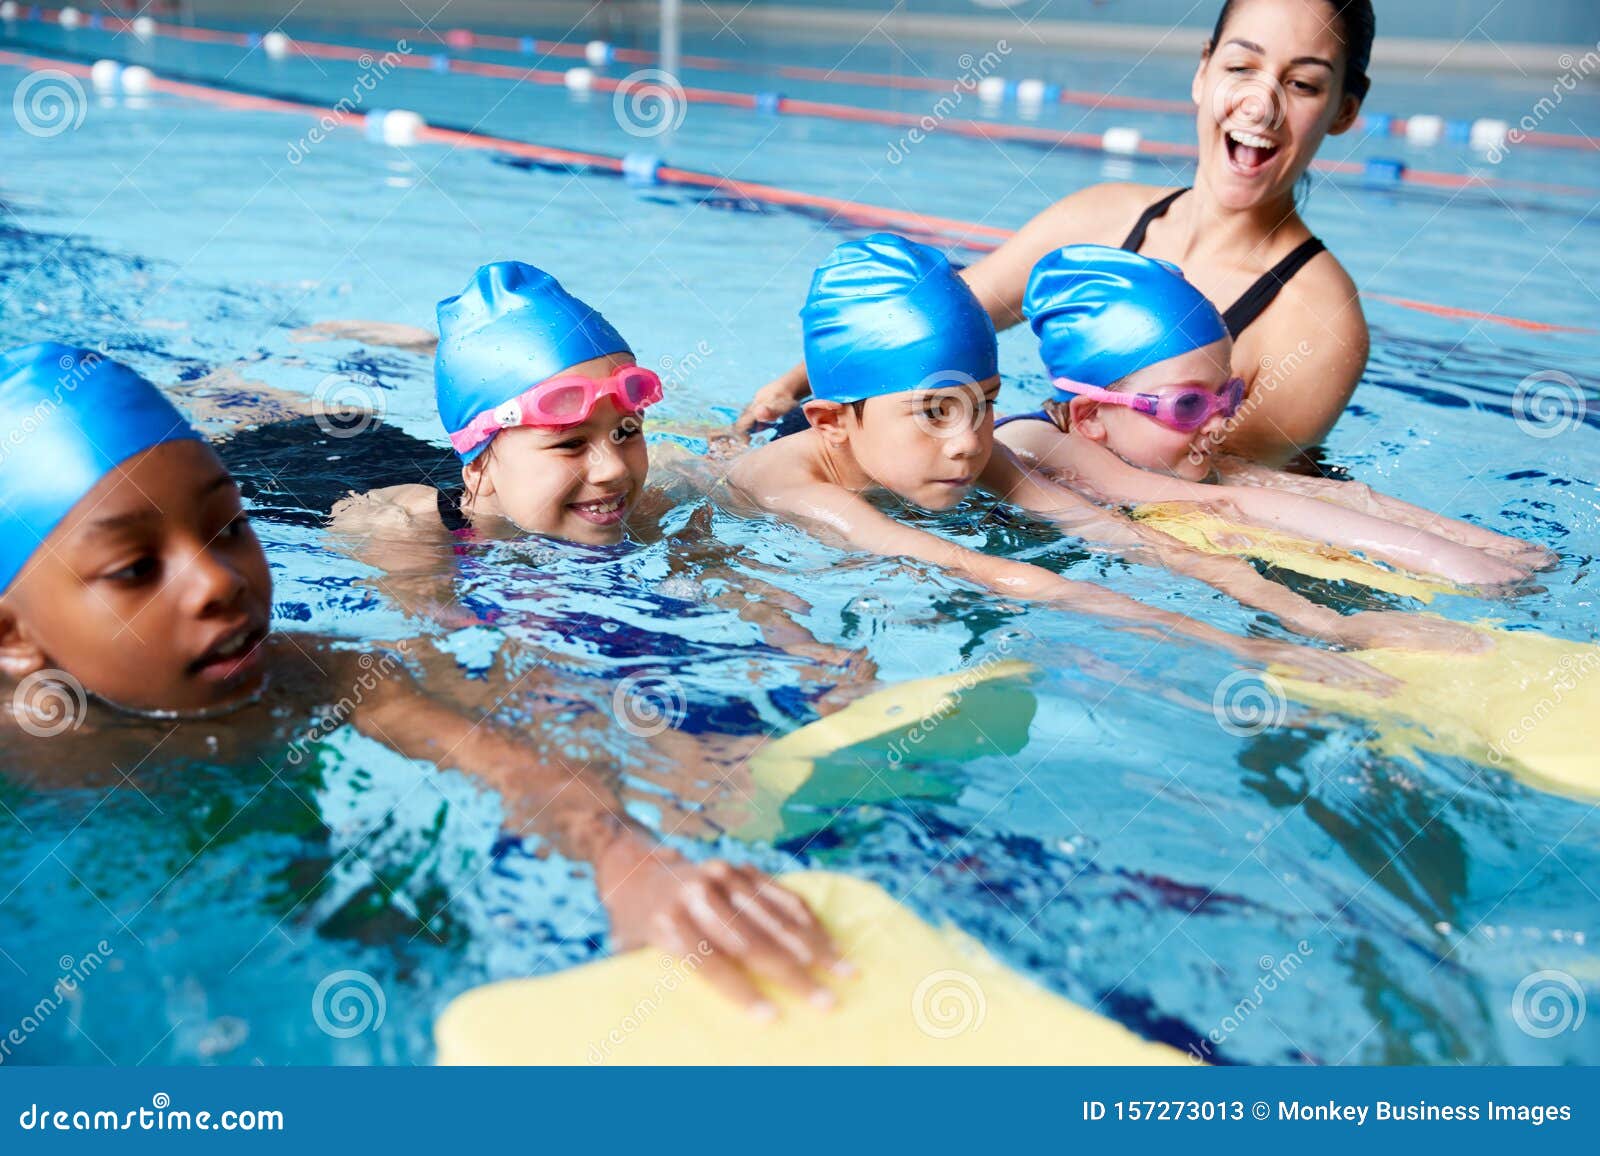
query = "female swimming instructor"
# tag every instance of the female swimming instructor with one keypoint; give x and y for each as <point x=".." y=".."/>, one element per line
<point x="1276" y="77"/>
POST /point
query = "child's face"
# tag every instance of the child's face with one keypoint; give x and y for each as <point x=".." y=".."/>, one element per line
<point x="1140" y="439"/>
<point x="153" y="592"/>
<point x="927" y="447"/>
<point x="577" y="482"/>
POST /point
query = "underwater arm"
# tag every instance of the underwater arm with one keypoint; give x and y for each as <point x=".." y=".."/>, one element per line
<point x="840" y="513"/>
<point x="735" y="917"/>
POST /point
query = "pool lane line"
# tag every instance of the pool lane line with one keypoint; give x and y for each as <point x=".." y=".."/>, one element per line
<point x="240" y="98"/>
<point x="789" y="106"/>
<point x="1470" y="315"/>
<point x="530" y="44"/>
<point x="961" y="233"/>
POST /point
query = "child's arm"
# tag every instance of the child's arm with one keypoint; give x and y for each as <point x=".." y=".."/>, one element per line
<point x="734" y="917"/>
<point x="1364" y="499"/>
<point x="838" y="512"/>
<point x="1239" y="580"/>
<point x="396" y="530"/>
<point x="1111" y="479"/>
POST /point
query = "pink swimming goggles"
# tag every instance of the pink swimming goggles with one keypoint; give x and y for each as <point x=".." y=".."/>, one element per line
<point x="1186" y="410"/>
<point x="562" y="401"/>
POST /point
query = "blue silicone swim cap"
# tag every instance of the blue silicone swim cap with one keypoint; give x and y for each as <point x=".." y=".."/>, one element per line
<point x="1104" y="313"/>
<point x="511" y="328"/>
<point x="886" y="315"/>
<point x="68" y="417"/>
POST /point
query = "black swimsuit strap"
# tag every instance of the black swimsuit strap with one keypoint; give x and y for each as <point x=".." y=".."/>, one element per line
<point x="1135" y="240"/>
<point x="1267" y="287"/>
<point x="1254" y="301"/>
<point x="450" y="511"/>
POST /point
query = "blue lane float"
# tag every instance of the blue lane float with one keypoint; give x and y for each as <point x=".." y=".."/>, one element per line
<point x="1383" y="173"/>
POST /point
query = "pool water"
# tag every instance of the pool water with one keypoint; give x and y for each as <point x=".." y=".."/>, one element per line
<point x="1133" y="854"/>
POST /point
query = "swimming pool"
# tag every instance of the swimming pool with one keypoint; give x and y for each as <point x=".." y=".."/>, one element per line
<point x="1133" y="855"/>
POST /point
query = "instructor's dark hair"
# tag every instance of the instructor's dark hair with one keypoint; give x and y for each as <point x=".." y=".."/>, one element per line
<point x="1357" y="27"/>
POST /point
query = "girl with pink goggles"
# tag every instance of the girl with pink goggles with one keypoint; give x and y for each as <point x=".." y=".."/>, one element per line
<point x="562" y="401"/>
<point x="1183" y="410"/>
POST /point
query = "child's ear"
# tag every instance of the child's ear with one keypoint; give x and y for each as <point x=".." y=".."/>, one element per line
<point x="20" y="656"/>
<point x="827" y="418"/>
<point x="476" y="478"/>
<point x="1084" y="413"/>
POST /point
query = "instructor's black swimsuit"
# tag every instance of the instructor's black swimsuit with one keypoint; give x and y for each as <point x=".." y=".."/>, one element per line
<point x="1243" y="311"/>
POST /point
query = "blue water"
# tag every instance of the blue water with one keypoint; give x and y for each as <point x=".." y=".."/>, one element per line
<point x="1132" y="855"/>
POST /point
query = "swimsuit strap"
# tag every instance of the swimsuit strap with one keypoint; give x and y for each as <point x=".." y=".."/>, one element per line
<point x="1135" y="239"/>
<point x="1034" y="415"/>
<point x="1254" y="301"/>
<point x="449" y="502"/>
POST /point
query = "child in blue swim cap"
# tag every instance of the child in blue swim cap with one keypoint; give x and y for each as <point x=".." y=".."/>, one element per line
<point x="134" y="595"/>
<point x="543" y="402"/>
<point x="903" y="365"/>
<point x="1140" y="361"/>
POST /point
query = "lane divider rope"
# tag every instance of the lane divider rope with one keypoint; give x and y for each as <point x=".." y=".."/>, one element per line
<point x="969" y="235"/>
<point x="1115" y="142"/>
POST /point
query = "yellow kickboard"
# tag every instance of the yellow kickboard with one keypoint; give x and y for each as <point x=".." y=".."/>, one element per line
<point x="923" y="996"/>
<point x="984" y="709"/>
<point x="1206" y="531"/>
<point x="1526" y="706"/>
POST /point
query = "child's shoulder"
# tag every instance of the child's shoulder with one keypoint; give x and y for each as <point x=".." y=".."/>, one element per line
<point x="406" y="507"/>
<point x="771" y="472"/>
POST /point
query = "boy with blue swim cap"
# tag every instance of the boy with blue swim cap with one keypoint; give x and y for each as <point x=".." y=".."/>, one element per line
<point x="903" y="363"/>
<point x="135" y="600"/>
<point x="185" y="622"/>
<point x="1140" y="361"/>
